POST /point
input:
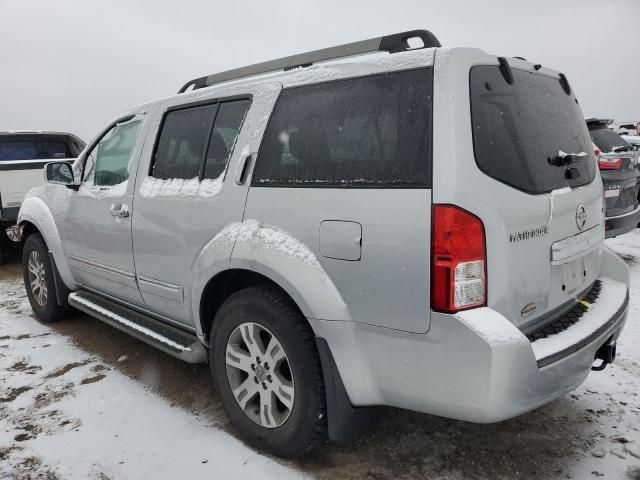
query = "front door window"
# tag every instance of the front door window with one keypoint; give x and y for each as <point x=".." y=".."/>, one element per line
<point x="108" y="163"/>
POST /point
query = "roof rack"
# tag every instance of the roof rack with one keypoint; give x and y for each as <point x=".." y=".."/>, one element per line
<point x="398" y="42"/>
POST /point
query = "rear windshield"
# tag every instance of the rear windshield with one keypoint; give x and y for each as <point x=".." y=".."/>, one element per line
<point x="607" y="140"/>
<point x="21" y="147"/>
<point x="523" y="130"/>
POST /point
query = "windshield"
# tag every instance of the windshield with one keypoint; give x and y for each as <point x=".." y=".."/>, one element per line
<point x="529" y="134"/>
<point x="28" y="147"/>
<point x="607" y="140"/>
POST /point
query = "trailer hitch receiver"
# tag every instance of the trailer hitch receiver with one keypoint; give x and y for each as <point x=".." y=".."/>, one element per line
<point x="606" y="353"/>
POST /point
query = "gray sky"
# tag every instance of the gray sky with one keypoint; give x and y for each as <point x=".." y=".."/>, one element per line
<point x="75" y="64"/>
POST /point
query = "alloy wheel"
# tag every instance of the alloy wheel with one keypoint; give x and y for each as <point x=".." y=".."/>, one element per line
<point x="260" y="375"/>
<point x="37" y="278"/>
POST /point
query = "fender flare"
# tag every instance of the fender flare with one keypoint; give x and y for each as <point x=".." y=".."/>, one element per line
<point x="288" y="262"/>
<point x="276" y="255"/>
<point x="35" y="211"/>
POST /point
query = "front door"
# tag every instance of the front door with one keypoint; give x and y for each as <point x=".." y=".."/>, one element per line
<point x="97" y="231"/>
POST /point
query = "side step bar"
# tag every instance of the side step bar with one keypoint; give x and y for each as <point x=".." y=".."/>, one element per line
<point x="171" y="340"/>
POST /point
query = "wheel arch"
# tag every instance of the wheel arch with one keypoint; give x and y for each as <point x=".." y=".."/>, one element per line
<point x="224" y="284"/>
<point x="316" y="297"/>
<point x="35" y="217"/>
<point x="263" y="252"/>
<point x="345" y="422"/>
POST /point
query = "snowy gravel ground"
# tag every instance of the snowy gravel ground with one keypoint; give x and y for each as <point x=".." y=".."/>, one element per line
<point x="65" y="414"/>
<point x="79" y="399"/>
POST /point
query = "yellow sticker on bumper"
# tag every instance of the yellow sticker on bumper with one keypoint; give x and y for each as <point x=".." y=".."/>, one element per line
<point x="586" y="303"/>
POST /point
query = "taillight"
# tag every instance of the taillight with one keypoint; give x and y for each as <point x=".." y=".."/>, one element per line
<point x="609" y="163"/>
<point x="458" y="260"/>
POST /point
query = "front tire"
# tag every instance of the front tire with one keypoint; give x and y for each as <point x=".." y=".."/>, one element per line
<point x="38" y="280"/>
<point x="266" y="367"/>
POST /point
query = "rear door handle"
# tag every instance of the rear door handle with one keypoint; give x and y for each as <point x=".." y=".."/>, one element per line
<point x="120" y="210"/>
<point x="243" y="167"/>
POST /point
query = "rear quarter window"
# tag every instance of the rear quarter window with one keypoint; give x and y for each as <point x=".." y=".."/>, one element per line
<point x="520" y="129"/>
<point x="365" y="132"/>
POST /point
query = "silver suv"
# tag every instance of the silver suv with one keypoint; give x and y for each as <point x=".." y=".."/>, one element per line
<point x="387" y="222"/>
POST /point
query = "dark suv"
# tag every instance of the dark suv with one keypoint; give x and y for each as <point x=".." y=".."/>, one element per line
<point x="618" y="163"/>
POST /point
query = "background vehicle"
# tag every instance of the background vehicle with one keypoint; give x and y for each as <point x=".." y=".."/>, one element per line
<point x="632" y="140"/>
<point x="627" y="128"/>
<point x="303" y="224"/>
<point x="23" y="154"/>
<point x="618" y="163"/>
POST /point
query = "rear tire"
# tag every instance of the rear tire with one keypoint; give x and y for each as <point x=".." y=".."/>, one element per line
<point x="38" y="280"/>
<point x="263" y="349"/>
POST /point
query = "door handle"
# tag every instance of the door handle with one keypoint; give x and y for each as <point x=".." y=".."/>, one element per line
<point x="121" y="210"/>
<point x="243" y="167"/>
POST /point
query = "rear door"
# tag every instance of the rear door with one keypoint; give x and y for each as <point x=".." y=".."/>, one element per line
<point x="523" y="162"/>
<point x="345" y="168"/>
<point x="186" y="190"/>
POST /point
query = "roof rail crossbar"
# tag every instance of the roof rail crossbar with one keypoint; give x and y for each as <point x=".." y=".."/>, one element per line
<point x="398" y="42"/>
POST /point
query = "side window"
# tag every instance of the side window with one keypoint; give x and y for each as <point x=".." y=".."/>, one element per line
<point x="182" y="142"/>
<point x="188" y="146"/>
<point x="365" y="132"/>
<point x="108" y="162"/>
<point x="223" y="138"/>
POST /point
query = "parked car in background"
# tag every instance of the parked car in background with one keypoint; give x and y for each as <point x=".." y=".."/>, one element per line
<point x="319" y="230"/>
<point x="618" y="164"/>
<point x="23" y="155"/>
<point x="627" y="128"/>
<point x="633" y="140"/>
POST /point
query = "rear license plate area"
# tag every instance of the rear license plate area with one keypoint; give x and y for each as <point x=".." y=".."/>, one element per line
<point x="612" y="193"/>
<point x="574" y="276"/>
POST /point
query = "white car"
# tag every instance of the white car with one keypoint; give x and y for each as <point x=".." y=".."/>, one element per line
<point x="627" y="128"/>
<point x="633" y="140"/>
<point x="23" y="154"/>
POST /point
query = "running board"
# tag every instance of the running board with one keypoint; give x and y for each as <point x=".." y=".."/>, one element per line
<point x="171" y="340"/>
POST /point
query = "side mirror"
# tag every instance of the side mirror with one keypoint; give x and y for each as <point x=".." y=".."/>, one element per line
<point x="60" y="173"/>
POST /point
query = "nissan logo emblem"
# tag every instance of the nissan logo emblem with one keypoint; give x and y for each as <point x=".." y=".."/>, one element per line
<point x="581" y="216"/>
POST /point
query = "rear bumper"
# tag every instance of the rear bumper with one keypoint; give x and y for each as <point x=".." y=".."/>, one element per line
<point x="622" y="224"/>
<point x="475" y="365"/>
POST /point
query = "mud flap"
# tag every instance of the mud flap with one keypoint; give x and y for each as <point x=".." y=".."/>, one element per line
<point x="345" y="421"/>
<point x="62" y="292"/>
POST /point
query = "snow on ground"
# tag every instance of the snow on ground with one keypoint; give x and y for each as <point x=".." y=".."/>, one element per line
<point x="628" y="247"/>
<point x="65" y="414"/>
<point x="68" y="411"/>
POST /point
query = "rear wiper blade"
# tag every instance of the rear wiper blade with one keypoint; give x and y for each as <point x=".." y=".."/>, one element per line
<point x="563" y="158"/>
